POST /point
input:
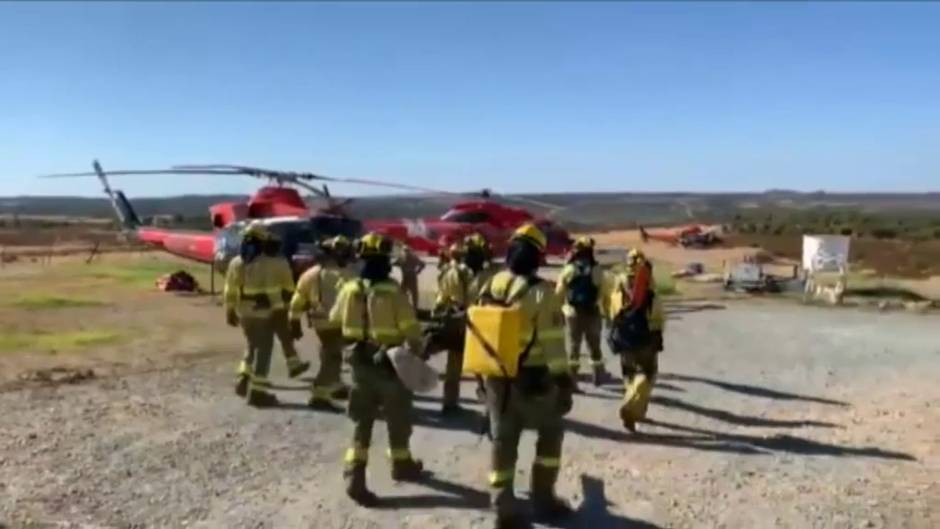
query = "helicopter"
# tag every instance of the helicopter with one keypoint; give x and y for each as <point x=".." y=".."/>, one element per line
<point x="281" y="208"/>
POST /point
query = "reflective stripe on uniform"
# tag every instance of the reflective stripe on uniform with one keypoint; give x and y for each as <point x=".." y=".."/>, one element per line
<point x="356" y="454"/>
<point x="293" y="361"/>
<point x="597" y="363"/>
<point x="501" y="478"/>
<point x="559" y="365"/>
<point x="260" y="382"/>
<point x="384" y="335"/>
<point x="324" y="392"/>
<point x="548" y="462"/>
<point x="256" y="291"/>
<point x="243" y="368"/>
<point x="406" y="325"/>
<point x="399" y="454"/>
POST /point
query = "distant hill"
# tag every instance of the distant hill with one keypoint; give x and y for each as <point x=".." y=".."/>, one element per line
<point x="576" y="210"/>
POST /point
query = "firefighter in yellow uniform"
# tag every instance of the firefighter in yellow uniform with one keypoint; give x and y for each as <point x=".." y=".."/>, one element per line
<point x="375" y="315"/>
<point x="539" y="396"/>
<point x="583" y="286"/>
<point x="257" y="285"/>
<point x="316" y="291"/>
<point x="640" y="364"/>
<point x="458" y="288"/>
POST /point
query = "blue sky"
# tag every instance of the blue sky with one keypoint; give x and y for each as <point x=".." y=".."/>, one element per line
<point x="518" y="97"/>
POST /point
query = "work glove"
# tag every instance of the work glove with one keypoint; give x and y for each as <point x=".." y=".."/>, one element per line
<point x="380" y="359"/>
<point x="231" y="318"/>
<point x="565" y="386"/>
<point x="296" y="331"/>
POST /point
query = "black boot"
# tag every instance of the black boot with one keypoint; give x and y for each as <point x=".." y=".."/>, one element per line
<point x="545" y="505"/>
<point x="241" y="386"/>
<point x="261" y="399"/>
<point x="321" y="404"/>
<point x="451" y="410"/>
<point x="408" y="470"/>
<point x="355" y="477"/>
<point x="341" y="393"/>
<point x="512" y="521"/>
<point x="296" y="367"/>
<point x="600" y="375"/>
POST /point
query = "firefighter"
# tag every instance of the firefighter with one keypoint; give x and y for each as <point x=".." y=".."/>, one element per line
<point x="634" y="290"/>
<point x="582" y="285"/>
<point x="458" y="288"/>
<point x="539" y="396"/>
<point x="375" y="315"/>
<point x="257" y="285"/>
<point x="411" y="266"/>
<point x="316" y="291"/>
<point x="282" y="329"/>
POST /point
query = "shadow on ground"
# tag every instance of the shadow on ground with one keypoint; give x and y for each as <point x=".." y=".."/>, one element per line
<point x="753" y="391"/>
<point x="682" y="308"/>
<point x="733" y="418"/>
<point x="594" y="512"/>
<point x="716" y="441"/>
<point x="452" y="496"/>
<point x="777" y="443"/>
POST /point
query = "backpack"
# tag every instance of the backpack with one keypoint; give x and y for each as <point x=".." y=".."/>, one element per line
<point x="492" y="338"/>
<point x="630" y="328"/>
<point x="582" y="291"/>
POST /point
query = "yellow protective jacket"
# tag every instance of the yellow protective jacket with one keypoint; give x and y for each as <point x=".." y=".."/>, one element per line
<point x="459" y="287"/>
<point x="542" y="313"/>
<point x="317" y="290"/>
<point x="258" y="288"/>
<point x="619" y="297"/>
<point x="379" y="313"/>
<point x="600" y="280"/>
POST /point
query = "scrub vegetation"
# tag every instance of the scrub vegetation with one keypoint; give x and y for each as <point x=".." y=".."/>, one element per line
<point x="53" y="342"/>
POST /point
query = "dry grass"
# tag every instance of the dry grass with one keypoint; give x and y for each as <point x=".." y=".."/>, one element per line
<point x="54" y="342"/>
<point x="37" y="301"/>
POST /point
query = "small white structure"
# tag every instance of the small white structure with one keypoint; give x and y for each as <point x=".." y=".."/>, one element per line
<point x="825" y="267"/>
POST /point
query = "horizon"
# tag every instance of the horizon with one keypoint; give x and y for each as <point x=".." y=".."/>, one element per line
<point x="522" y="98"/>
<point x="469" y="195"/>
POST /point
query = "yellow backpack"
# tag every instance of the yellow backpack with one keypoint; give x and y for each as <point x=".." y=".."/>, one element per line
<point x="492" y="345"/>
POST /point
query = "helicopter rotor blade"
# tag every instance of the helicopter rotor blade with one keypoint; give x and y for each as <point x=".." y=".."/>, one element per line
<point x="135" y="172"/>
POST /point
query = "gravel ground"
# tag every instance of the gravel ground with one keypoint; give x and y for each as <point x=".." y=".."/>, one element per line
<point x="767" y="415"/>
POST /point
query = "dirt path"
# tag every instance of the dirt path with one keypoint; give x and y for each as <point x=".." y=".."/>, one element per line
<point x="768" y="415"/>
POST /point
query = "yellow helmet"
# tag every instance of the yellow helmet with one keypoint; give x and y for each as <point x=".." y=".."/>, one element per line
<point x="256" y="230"/>
<point x="476" y="241"/>
<point x="635" y="257"/>
<point x="531" y="233"/>
<point x="583" y="243"/>
<point x="373" y="244"/>
<point x="339" y="242"/>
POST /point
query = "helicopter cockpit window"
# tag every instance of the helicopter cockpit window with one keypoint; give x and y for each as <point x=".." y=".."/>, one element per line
<point x="332" y="226"/>
<point x="469" y="217"/>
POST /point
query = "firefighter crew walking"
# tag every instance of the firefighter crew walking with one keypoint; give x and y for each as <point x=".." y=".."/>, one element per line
<point x="638" y="313"/>
<point x="411" y="266"/>
<point x="375" y="315"/>
<point x="257" y="284"/>
<point x="458" y="288"/>
<point x="534" y="393"/>
<point x="316" y="292"/>
<point x="583" y="287"/>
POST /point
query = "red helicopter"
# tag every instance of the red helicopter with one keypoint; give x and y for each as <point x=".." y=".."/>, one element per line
<point x="279" y="206"/>
<point x="493" y="220"/>
<point x="689" y="236"/>
<point x="282" y="208"/>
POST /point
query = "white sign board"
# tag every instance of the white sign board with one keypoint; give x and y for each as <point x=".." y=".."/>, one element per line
<point x="825" y="252"/>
